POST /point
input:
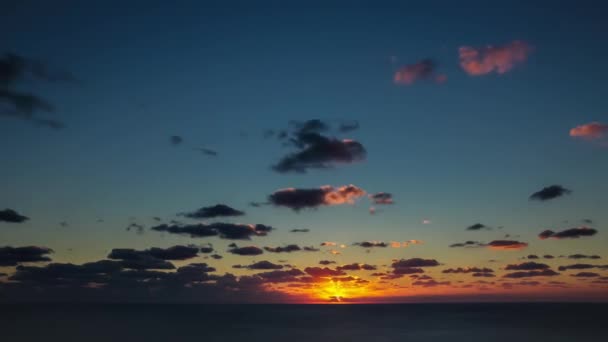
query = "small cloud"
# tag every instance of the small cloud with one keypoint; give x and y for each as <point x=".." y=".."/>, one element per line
<point x="176" y="140"/>
<point x="381" y="198"/>
<point x="12" y="256"/>
<point x="583" y="256"/>
<point x="371" y="244"/>
<point x="468" y="244"/>
<point x="230" y="231"/>
<point x="11" y="216"/>
<point x="500" y="59"/>
<point x="528" y="274"/>
<point x="507" y="245"/>
<point x="422" y="70"/>
<point x="207" y="151"/>
<point x="348" y="126"/>
<point x="572" y="233"/>
<point x="299" y="230"/>
<point x="526" y="266"/>
<point x="249" y="250"/>
<point x="285" y="249"/>
<point x="214" y="211"/>
<point x="593" y="130"/>
<point x="550" y="192"/>
<point x="478" y="226"/>
<point x="297" y="199"/>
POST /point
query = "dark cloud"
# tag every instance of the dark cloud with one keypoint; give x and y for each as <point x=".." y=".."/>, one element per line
<point x="382" y="198"/>
<point x="468" y="244"/>
<point x="176" y="140"/>
<point x="299" y="231"/>
<point x="223" y="230"/>
<point x="135" y="226"/>
<point x="572" y="233"/>
<point x="326" y="262"/>
<point x="249" y="250"/>
<point x="581" y="267"/>
<point x="507" y="245"/>
<point x="316" y="151"/>
<point x="348" y="126"/>
<point x="356" y="267"/>
<point x="478" y="226"/>
<point x="284" y="249"/>
<point x="261" y="265"/>
<point x="583" y="256"/>
<point x="310" y="249"/>
<point x="11" y="256"/>
<point x="430" y="283"/>
<point x="527" y="266"/>
<point x="218" y="210"/>
<point x="15" y="69"/>
<point x="586" y="275"/>
<point x="371" y="244"/>
<point x="548" y="256"/>
<point x="281" y="276"/>
<point x="550" y="192"/>
<point x="207" y="151"/>
<point x="468" y="270"/>
<point x="172" y="253"/>
<point x="323" y="272"/>
<point x="412" y="266"/>
<point x="11" y="216"/>
<point x="527" y="274"/>
<point x="298" y="199"/>
<point x="533" y="256"/>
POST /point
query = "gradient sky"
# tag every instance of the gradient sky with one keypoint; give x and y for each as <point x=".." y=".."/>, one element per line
<point x="455" y="150"/>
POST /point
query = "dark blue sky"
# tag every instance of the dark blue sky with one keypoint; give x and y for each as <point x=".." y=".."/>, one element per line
<point x="471" y="149"/>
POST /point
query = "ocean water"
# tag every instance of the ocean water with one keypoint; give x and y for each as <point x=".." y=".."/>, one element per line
<point x="310" y="323"/>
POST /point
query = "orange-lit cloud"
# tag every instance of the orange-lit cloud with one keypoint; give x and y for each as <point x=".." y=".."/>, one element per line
<point x="593" y="130"/>
<point x="488" y="59"/>
<point x="507" y="245"/>
<point x="326" y="195"/>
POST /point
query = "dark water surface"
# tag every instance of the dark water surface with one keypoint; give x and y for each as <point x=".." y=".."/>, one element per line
<point x="294" y="323"/>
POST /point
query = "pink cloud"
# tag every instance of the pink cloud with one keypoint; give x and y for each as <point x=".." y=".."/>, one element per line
<point x="422" y="70"/>
<point x="488" y="59"/>
<point x="593" y="130"/>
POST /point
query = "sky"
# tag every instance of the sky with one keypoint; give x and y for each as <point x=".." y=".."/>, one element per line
<point x="422" y="152"/>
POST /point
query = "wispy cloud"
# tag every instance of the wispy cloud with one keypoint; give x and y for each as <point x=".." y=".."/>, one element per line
<point x="477" y="61"/>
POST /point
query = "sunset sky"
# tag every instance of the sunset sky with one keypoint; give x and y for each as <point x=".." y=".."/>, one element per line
<point x="421" y="152"/>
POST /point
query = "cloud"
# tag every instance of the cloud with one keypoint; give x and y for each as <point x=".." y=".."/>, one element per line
<point x="586" y="275"/>
<point x="15" y="69"/>
<point x="316" y="151"/>
<point x="581" y="267"/>
<point x="468" y="270"/>
<point x="299" y="231"/>
<point x="550" y="192"/>
<point x="500" y="59"/>
<point x="281" y="276"/>
<point x="297" y="199"/>
<point x="213" y="211"/>
<point x="572" y="233"/>
<point x="286" y="249"/>
<point x="172" y="253"/>
<point x="356" y="267"/>
<point x="478" y="226"/>
<point x="533" y="256"/>
<point x="11" y="216"/>
<point x="468" y="244"/>
<point x="583" y="256"/>
<point x="430" y="283"/>
<point x="249" y="250"/>
<point x="261" y="265"/>
<point x="411" y="266"/>
<point x="12" y="256"/>
<point x="527" y="266"/>
<point x="507" y="245"/>
<point x="527" y="274"/>
<point x="207" y="151"/>
<point x="382" y="198"/>
<point x="229" y="231"/>
<point x="421" y="70"/>
<point x="371" y="244"/>
<point x="592" y="130"/>
<point x="176" y="140"/>
<point x="348" y="126"/>
<point x="326" y="262"/>
<point x="323" y="272"/>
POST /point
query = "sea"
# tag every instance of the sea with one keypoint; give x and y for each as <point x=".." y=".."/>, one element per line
<point x="513" y="322"/>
